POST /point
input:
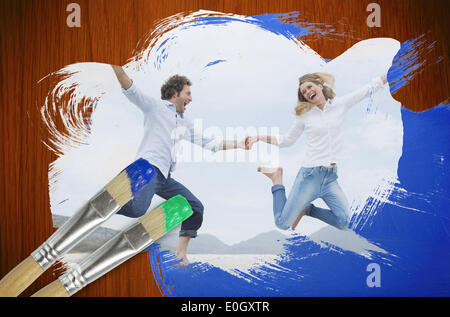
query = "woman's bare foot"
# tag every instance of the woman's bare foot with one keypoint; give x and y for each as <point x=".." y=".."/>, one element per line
<point x="294" y="225"/>
<point x="274" y="173"/>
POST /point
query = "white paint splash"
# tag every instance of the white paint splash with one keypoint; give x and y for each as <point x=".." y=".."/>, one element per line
<point x="244" y="76"/>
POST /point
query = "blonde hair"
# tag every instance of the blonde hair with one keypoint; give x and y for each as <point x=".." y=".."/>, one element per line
<point x="324" y="79"/>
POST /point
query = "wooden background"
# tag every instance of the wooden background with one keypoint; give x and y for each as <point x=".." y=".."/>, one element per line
<point x="35" y="41"/>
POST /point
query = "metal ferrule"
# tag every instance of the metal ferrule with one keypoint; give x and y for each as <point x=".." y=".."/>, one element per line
<point x="113" y="253"/>
<point x="97" y="210"/>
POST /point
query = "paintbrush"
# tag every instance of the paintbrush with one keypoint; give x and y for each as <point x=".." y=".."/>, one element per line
<point x="98" y="209"/>
<point x="120" y="248"/>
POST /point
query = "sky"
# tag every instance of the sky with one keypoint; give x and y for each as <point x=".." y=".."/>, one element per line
<point x="244" y="79"/>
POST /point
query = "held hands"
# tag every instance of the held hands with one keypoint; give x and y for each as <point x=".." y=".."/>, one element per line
<point x="245" y="144"/>
<point x="249" y="141"/>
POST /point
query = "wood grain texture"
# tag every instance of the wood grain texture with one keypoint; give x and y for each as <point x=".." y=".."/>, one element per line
<point x="36" y="41"/>
<point x="20" y="277"/>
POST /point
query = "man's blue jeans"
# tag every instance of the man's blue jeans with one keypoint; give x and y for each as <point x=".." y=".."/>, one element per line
<point x="165" y="188"/>
<point x="310" y="184"/>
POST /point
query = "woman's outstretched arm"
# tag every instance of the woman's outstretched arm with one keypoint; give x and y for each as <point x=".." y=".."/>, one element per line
<point x="362" y="93"/>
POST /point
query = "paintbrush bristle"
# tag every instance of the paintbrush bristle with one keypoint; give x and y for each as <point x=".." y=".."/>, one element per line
<point x="166" y="216"/>
<point x="154" y="223"/>
<point x="120" y="188"/>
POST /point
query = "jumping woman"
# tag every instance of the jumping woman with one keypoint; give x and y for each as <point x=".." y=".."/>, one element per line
<point x="320" y="115"/>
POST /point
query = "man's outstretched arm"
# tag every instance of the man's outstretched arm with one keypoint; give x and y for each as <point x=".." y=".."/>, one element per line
<point x="123" y="78"/>
<point x="135" y="95"/>
<point x="234" y="144"/>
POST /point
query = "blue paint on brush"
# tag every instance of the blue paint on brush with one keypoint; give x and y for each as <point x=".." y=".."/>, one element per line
<point x="140" y="173"/>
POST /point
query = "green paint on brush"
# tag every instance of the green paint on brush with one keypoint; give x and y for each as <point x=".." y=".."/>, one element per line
<point x="176" y="210"/>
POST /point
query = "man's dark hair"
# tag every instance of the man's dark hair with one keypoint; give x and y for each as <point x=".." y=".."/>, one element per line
<point x="174" y="85"/>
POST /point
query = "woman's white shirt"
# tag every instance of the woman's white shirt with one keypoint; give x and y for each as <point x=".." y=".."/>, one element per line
<point x="323" y="128"/>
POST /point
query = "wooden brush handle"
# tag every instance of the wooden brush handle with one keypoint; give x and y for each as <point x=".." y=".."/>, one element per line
<point x="54" y="289"/>
<point x="20" y="277"/>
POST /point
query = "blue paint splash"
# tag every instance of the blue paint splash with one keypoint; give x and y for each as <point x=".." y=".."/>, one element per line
<point x="411" y="227"/>
<point x="409" y="61"/>
<point x="288" y="25"/>
<point x="140" y="173"/>
<point x="215" y="62"/>
<point x="274" y="23"/>
<point x="294" y="24"/>
<point x="162" y="51"/>
<point x="63" y="201"/>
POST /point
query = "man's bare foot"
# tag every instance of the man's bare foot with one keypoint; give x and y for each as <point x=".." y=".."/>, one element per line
<point x="181" y="251"/>
<point x="184" y="260"/>
<point x="274" y="173"/>
<point x="294" y="225"/>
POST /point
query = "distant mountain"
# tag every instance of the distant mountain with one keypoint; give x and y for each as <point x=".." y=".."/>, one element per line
<point x="264" y="243"/>
<point x="344" y="239"/>
<point x="270" y="242"/>
<point x="201" y="244"/>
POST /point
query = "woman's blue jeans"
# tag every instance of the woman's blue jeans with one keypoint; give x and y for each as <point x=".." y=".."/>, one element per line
<point x="310" y="184"/>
